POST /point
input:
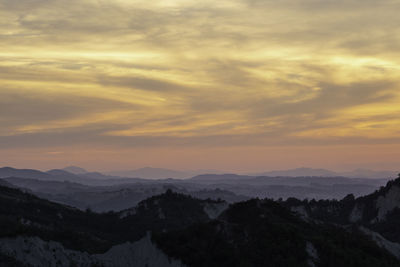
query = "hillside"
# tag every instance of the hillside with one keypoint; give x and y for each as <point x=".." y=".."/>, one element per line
<point x="111" y="198"/>
<point x="263" y="233"/>
<point x="112" y="193"/>
<point x="25" y="214"/>
<point x="379" y="211"/>
<point x="189" y="232"/>
<point x="90" y="179"/>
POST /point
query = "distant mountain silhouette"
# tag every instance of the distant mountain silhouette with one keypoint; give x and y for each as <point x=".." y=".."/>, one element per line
<point x="308" y="172"/>
<point x="52" y="175"/>
<point x="150" y="173"/>
<point x="221" y="177"/>
<point x="310" y="187"/>
<point x="26" y="173"/>
<point x="62" y="175"/>
<point x="281" y="180"/>
<point x="365" y="173"/>
<point x="240" y="185"/>
<point x="110" y="198"/>
<point x="300" y="172"/>
<point x="75" y="170"/>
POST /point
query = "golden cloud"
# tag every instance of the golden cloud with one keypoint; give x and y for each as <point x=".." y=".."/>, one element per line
<point x="279" y="70"/>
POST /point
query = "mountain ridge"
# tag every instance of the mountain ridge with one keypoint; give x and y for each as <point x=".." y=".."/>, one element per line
<point x="304" y="171"/>
<point x="256" y="232"/>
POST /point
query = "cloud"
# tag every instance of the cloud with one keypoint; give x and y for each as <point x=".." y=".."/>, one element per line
<point x="135" y="73"/>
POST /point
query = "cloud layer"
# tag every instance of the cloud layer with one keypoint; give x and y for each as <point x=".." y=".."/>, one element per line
<point x="137" y="74"/>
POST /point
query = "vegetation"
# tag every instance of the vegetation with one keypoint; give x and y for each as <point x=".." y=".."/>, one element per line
<point x="264" y="233"/>
<point x="7" y="261"/>
<point x="25" y="214"/>
<point x="251" y="233"/>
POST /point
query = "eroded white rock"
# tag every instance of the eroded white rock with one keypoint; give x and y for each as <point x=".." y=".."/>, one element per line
<point x="392" y="247"/>
<point x="215" y="209"/>
<point x="388" y="202"/>
<point x="39" y="253"/>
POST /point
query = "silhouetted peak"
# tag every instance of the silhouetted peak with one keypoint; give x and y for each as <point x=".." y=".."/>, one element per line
<point x="349" y="198"/>
<point x="59" y="172"/>
<point x="75" y="170"/>
<point x="7" y="168"/>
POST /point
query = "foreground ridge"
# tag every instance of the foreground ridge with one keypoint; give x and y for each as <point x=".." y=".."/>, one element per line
<point x="193" y="232"/>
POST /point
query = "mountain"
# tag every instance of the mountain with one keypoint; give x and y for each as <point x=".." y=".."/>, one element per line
<point x="48" y="187"/>
<point x="61" y="173"/>
<point x="109" y="193"/>
<point x="110" y="198"/>
<point x="263" y="233"/>
<point x="150" y="173"/>
<point x="160" y="173"/>
<point x="310" y="172"/>
<point x="300" y="172"/>
<point x="378" y="213"/>
<point x="282" y="180"/>
<point x="75" y="170"/>
<point x="91" y="232"/>
<point x="5" y="183"/>
<point x="175" y="230"/>
<point x="285" y="187"/>
<point x="37" y="232"/>
<point x="24" y="251"/>
<point x="211" y="178"/>
<point x="370" y="209"/>
<point x="26" y="173"/>
<point x="52" y="175"/>
<point x="93" y="179"/>
<point x="112" y="178"/>
<point x="365" y="173"/>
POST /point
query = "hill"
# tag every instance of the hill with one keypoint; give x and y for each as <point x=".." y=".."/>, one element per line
<point x="150" y="173"/>
<point x="75" y="170"/>
<point x="185" y="231"/>
<point x="379" y="211"/>
<point x="310" y="172"/>
<point x="263" y="233"/>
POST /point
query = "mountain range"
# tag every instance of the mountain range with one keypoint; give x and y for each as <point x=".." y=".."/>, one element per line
<point x="161" y="173"/>
<point x="173" y="229"/>
<point x="306" y="172"/>
<point x="104" y="193"/>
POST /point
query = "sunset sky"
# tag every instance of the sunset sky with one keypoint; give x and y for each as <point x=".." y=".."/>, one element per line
<point x="237" y="85"/>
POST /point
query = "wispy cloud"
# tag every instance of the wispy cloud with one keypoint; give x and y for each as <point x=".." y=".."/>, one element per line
<point x="199" y="73"/>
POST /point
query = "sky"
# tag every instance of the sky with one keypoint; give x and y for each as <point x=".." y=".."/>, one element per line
<point x="239" y="85"/>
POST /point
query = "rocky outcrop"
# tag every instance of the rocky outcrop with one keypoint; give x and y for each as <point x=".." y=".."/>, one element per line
<point x="388" y="202"/>
<point x="392" y="247"/>
<point x="39" y="253"/>
<point x="213" y="210"/>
